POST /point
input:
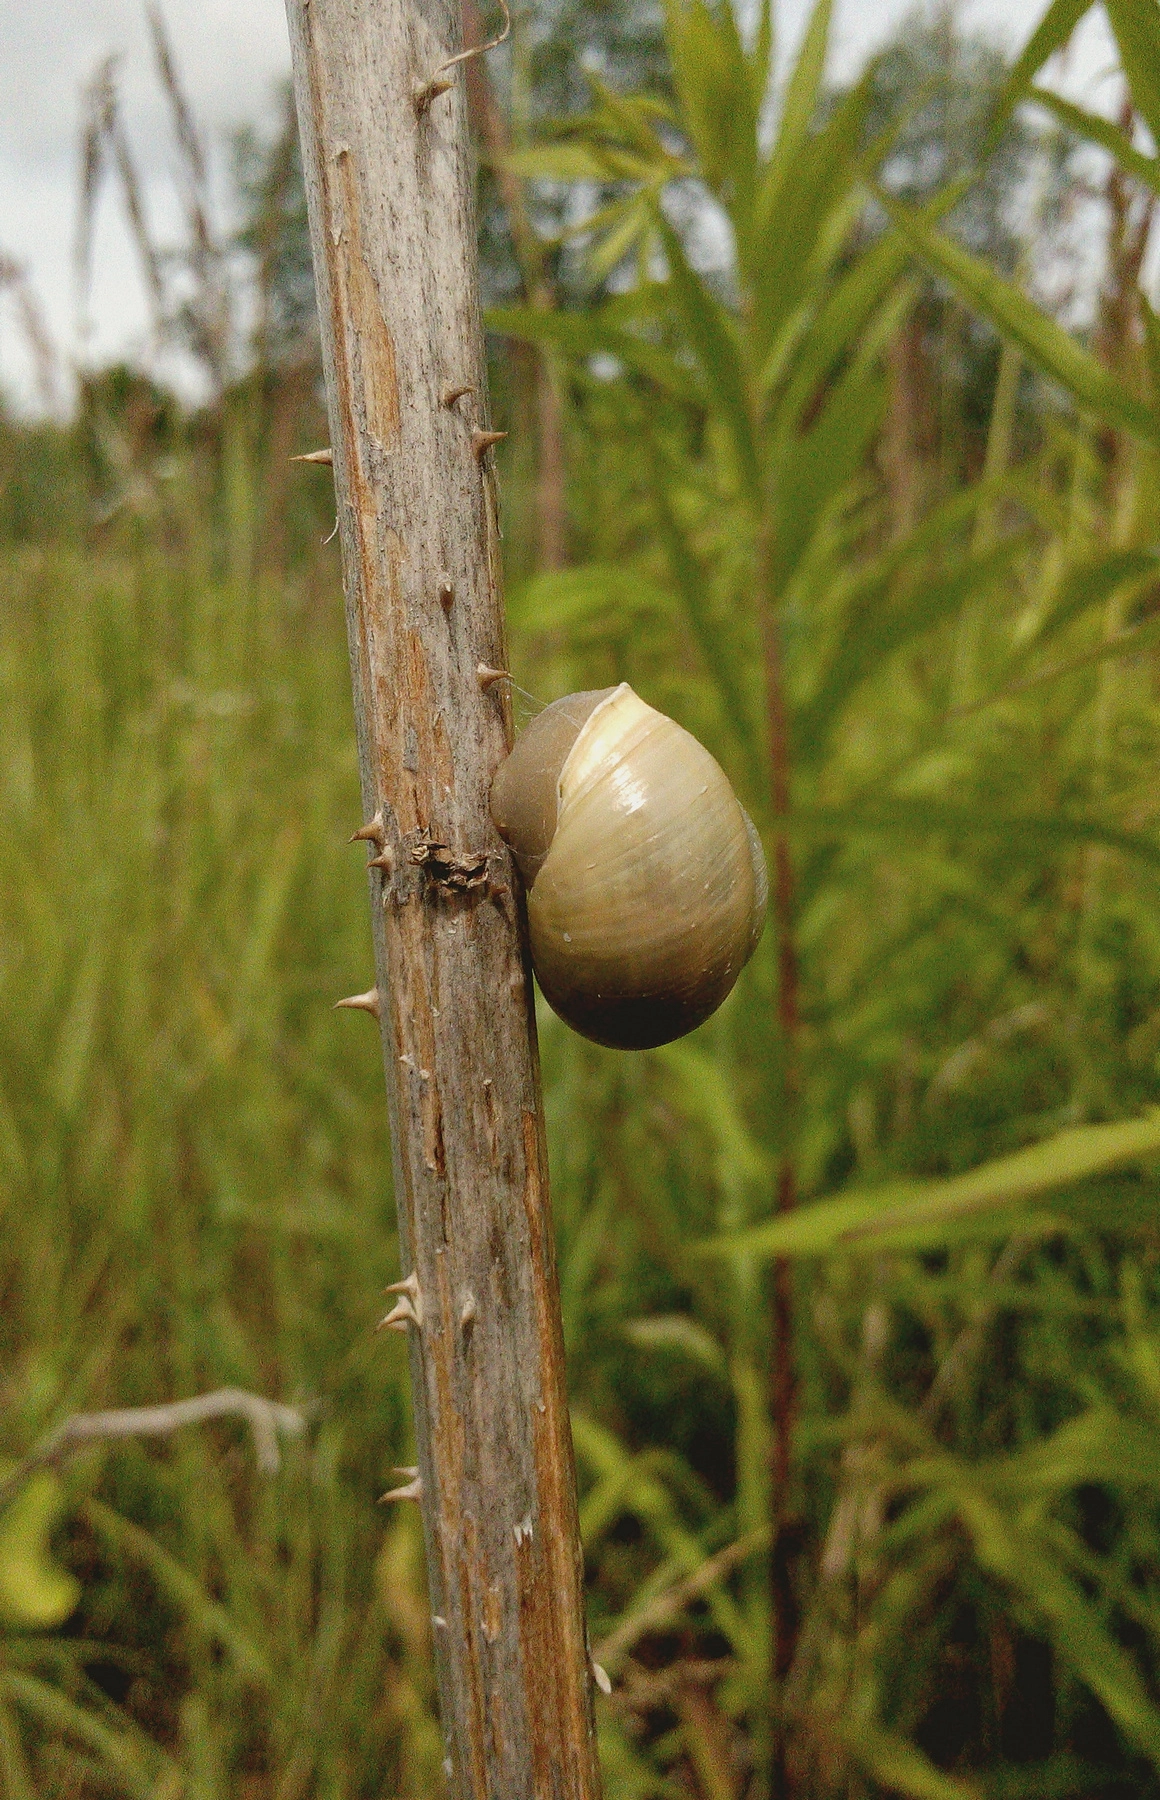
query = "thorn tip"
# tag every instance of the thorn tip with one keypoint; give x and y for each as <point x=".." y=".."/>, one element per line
<point x="412" y="1491"/>
<point x="482" y="441"/>
<point x="401" y="1315"/>
<point x="370" y="833"/>
<point x="431" y="90"/>
<point x="487" y="677"/>
<point x="412" y="1298"/>
<point x="368" y="1002"/>
<point x="317" y="456"/>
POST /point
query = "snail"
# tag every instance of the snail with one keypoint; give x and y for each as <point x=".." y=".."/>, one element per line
<point x="645" y="878"/>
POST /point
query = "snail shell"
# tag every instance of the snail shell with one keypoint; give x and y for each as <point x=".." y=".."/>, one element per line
<point x="645" y="877"/>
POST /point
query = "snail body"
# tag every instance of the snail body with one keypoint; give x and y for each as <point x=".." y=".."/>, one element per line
<point x="645" y="878"/>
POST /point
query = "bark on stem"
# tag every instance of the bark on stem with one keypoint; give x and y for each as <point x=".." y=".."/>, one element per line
<point x="393" y="236"/>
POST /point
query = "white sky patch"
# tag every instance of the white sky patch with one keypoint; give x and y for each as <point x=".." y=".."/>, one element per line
<point x="231" y="55"/>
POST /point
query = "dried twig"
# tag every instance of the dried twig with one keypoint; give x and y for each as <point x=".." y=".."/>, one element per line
<point x="266" y="1418"/>
<point x="14" y="278"/>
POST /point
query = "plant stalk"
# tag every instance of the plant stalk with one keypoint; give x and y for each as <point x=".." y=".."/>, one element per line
<point x="383" y="123"/>
<point x="495" y="144"/>
<point x="786" y="1533"/>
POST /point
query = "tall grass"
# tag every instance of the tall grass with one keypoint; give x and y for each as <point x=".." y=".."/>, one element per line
<point x="195" y="1173"/>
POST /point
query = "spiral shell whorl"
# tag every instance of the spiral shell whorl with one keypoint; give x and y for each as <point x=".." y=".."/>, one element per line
<point x="647" y="894"/>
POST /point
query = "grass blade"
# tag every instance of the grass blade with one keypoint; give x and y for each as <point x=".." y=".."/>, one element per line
<point x="1041" y="340"/>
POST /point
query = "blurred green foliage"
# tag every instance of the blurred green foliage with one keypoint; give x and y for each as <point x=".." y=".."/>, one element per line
<point x="747" y="339"/>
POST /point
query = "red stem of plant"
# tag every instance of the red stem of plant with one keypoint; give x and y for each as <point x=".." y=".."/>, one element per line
<point x="782" y="1375"/>
<point x="495" y="142"/>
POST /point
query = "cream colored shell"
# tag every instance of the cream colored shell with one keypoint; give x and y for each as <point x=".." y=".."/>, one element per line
<point x="651" y="896"/>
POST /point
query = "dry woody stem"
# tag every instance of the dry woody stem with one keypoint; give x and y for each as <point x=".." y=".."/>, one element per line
<point x="266" y="1418"/>
<point x="393" y="235"/>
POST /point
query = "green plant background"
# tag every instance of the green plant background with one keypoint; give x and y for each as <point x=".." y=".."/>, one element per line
<point x="825" y="462"/>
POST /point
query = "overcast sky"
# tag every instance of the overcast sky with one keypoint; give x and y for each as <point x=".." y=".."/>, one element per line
<point x="231" y="55"/>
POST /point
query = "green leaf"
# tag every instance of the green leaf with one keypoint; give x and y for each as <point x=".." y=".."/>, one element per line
<point x="584" y="335"/>
<point x="1136" y="24"/>
<point x="713" y="336"/>
<point x="1101" y="131"/>
<point x="682" y="1336"/>
<point x="1050" y="35"/>
<point x="803" y="214"/>
<point x="909" y="1215"/>
<point x="901" y="1768"/>
<point x="1123" y="643"/>
<point x="1099" y="1445"/>
<point x="799" y="106"/>
<point x="562" y="599"/>
<point x="1091" y="583"/>
<point x="575" y="161"/>
<point x="1024" y="836"/>
<point x="1042" y="341"/>
<point x="206" y="1616"/>
<point x="1018" y="1557"/>
<point x="761" y="60"/>
<point x="691" y="583"/>
<point x="718" y="107"/>
<point x="839" y="319"/>
<point x="879" y="630"/>
<point x="124" y="1750"/>
<point x="36" y="1594"/>
<point x="816" y="468"/>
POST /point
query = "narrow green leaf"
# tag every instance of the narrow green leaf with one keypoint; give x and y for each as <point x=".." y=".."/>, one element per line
<point x="1020" y="1560"/>
<point x="1136" y="24"/>
<point x="1042" y="341"/>
<point x="713" y="336"/>
<point x="814" y="469"/>
<point x="713" y="80"/>
<point x="118" y="1750"/>
<point x="206" y="1616"/>
<point x="901" y="1768"/>
<point x="586" y="335"/>
<point x="1091" y="583"/>
<point x="801" y="98"/>
<point x="878" y="631"/>
<point x="564" y="599"/>
<point x="794" y="240"/>
<point x="1124" y="643"/>
<point x="1099" y="1445"/>
<point x="1050" y="35"/>
<point x="840" y="318"/>
<point x="681" y="1336"/>
<point x="576" y="161"/>
<point x="1025" y="836"/>
<point x="1101" y="131"/>
<point x="761" y="59"/>
<point x="910" y="1214"/>
<point x="691" y="583"/>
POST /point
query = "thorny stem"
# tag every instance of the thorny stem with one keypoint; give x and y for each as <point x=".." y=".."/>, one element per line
<point x="389" y="190"/>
